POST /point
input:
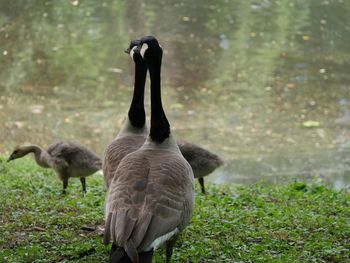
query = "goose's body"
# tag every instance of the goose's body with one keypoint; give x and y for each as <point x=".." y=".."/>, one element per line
<point x="68" y="159"/>
<point x="149" y="200"/>
<point x="151" y="196"/>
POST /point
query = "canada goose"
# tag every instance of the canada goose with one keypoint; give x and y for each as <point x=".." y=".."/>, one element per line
<point x="202" y="161"/>
<point x="134" y="132"/>
<point x="151" y="197"/>
<point x="68" y="159"/>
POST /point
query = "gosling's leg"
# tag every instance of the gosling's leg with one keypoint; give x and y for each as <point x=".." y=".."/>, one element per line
<point x="65" y="184"/>
<point x="201" y="182"/>
<point x="169" y="248"/>
<point x="83" y="183"/>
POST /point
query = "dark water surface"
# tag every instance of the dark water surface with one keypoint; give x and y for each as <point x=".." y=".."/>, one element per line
<point x="265" y="84"/>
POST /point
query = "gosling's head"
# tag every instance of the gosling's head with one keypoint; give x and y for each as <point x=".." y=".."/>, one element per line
<point x="18" y="152"/>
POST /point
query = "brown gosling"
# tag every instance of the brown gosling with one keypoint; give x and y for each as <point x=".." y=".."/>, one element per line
<point x="68" y="159"/>
<point x="202" y="161"/>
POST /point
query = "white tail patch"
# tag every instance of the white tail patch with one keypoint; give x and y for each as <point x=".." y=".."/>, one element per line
<point x="160" y="240"/>
<point x="99" y="172"/>
<point x="143" y="49"/>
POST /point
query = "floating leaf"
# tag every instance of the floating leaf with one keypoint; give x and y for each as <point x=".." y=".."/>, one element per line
<point x="115" y="70"/>
<point x="311" y="124"/>
<point x="290" y="85"/>
<point x="177" y="106"/>
<point x="18" y="124"/>
<point x="36" y="109"/>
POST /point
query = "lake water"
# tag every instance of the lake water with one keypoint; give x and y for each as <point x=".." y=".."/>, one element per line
<point x="264" y="84"/>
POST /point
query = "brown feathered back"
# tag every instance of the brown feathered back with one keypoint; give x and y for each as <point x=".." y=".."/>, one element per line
<point x="74" y="158"/>
<point x="116" y="151"/>
<point x="151" y="195"/>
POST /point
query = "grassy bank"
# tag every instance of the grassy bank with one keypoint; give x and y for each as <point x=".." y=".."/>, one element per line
<point x="258" y="223"/>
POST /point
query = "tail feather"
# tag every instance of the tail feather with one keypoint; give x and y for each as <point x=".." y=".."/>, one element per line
<point x="107" y="232"/>
<point x="131" y="251"/>
<point x="146" y="257"/>
<point x="118" y="255"/>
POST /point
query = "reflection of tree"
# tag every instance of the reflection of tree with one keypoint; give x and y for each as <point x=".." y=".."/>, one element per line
<point x="256" y="36"/>
<point x="220" y="56"/>
<point x="263" y="34"/>
<point x="135" y="19"/>
<point x="190" y="43"/>
<point x="329" y="29"/>
<point x="58" y="43"/>
<point x="318" y="65"/>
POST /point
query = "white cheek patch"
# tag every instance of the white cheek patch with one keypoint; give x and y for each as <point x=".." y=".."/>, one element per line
<point x="132" y="51"/>
<point x="143" y="49"/>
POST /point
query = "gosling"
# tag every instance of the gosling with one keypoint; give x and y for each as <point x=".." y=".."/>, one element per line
<point x="202" y="161"/>
<point x="68" y="159"/>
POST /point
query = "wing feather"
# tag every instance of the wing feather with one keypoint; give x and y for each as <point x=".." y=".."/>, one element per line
<point x="126" y="223"/>
<point x="116" y="151"/>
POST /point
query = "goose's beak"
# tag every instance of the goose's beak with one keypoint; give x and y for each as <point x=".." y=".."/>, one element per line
<point x="9" y="159"/>
<point x="127" y="51"/>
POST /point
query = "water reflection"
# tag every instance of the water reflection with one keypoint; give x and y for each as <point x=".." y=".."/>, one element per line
<point x="265" y="84"/>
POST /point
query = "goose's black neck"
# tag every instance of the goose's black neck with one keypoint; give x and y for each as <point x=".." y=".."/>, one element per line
<point x="136" y="113"/>
<point x="160" y="128"/>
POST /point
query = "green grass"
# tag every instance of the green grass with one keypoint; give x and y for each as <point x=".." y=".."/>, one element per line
<point x="259" y="223"/>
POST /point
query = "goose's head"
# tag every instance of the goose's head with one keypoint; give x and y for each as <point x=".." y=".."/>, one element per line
<point x="18" y="152"/>
<point x="134" y="50"/>
<point x="150" y="49"/>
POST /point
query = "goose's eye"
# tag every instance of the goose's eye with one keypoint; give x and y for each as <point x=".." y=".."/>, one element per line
<point x="15" y="151"/>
